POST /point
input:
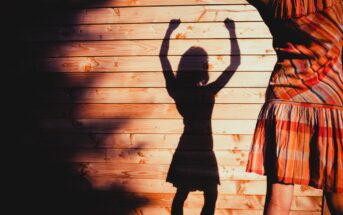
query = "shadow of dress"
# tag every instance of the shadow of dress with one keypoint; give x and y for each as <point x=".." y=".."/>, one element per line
<point x="194" y="165"/>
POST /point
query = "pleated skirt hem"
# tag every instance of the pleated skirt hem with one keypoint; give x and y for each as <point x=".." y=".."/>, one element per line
<point x="299" y="143"/>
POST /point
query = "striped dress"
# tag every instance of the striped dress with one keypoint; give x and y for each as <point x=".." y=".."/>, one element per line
<point x="298" y="137"/>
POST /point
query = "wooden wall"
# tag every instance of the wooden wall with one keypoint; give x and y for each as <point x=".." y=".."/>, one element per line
<point x="102" y="109"/>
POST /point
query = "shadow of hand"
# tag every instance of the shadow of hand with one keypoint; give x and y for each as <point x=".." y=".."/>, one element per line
<point x="229" y="23"/>
<point x="174" y="23"/>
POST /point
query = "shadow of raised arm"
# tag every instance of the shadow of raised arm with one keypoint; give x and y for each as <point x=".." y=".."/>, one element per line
<point x="224" y="78"/>
<point x="166" y="66"/>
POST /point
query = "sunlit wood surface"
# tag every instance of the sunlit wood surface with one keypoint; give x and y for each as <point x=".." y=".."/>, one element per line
<point x="103" y="106"/>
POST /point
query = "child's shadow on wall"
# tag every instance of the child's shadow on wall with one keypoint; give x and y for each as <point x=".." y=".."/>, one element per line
<point x="194" y="164"/>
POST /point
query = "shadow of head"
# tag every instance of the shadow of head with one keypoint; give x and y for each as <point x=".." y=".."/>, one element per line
<point x="193" y="68"/>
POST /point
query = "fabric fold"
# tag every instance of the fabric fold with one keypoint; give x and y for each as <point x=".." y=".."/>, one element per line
<point x="285" y="9"/>
<point x="299" y="143"/>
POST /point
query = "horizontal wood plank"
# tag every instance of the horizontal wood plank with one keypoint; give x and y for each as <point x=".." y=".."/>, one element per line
<point x="224" y="201"/>
<point x="148" y="111"/>
<point x="143" y="126"/>
<point x="142" y="63"/>
<point x="195" y="200"/>
<point x="146" y="79"/>
<point x="242" y="187"/>
<point x="213" y="30"/>
<point x="144" y="95"/>
<point x="127" y="141"/>
<point x="156" y="171"/>
<point x="149" y="47"/>
<point x="146" y="156"/>
<point x="192" y="13"/>
<point x="102" y="108"/>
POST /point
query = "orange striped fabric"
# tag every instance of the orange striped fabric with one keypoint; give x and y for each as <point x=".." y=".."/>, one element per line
<point x="298" y="137"/>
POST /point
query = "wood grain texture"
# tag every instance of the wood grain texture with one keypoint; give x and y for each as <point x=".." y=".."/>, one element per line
<point x="144" y="156"/>
<point x="192" y="13"/>
<point x="214" y="30"/>
<point x="148" y="111"/>
<point x="226" y="201"/>
<point x="143" y="126"/>
<point x="149" y="47"/>
<point x="101" y="106"/>
<point x="156" y="171"/>
<point x="146" y="79"/>
<point x="233" y="201"/>
<point x="144" y="95"/>
<point x="142" y="63"/>
<point x="239" y="187"/>
<point x="127" y="141"/>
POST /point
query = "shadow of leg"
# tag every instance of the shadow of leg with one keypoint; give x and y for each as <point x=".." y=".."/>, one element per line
<point x="178" y="201"/>
<point x="210" y="196"/>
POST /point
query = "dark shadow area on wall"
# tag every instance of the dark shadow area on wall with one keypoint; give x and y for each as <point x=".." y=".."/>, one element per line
<point x="194" y="164"/>
<point x="36" y="181"/>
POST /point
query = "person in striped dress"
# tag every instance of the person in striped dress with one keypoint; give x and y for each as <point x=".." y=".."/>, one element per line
<point x="298" y="137"/>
